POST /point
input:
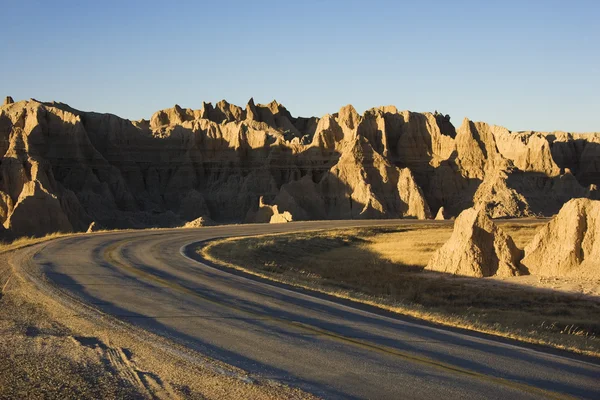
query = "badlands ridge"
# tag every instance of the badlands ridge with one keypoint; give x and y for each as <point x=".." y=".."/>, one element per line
<point x="64" y="169"/>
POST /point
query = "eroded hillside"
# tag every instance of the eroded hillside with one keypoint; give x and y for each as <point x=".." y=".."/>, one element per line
<point x="63" y="169"/>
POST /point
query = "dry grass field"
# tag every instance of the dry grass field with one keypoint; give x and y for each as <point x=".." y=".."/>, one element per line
<point x="384" y="267"/>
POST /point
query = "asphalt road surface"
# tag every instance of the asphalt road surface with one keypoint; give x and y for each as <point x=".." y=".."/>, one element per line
<point x="331" y="349"/>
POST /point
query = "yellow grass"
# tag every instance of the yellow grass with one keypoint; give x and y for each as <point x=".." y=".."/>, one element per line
<point x="415" y="246"/>
<point x="384" y="267"/>
<point x="25" y="241"/>
<point x="409" y="247"/>
<point x="28" y="241"/>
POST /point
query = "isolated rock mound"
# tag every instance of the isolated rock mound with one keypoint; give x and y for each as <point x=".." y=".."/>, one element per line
<point x="477" y="248"/>
<point x="280" y="218"/>
<point x="94" y="227"/>
<point x="268" y="214"/>
<point x="569" y="245"/>
<point x="199" y="223"/>
<point x="441" y="214"/>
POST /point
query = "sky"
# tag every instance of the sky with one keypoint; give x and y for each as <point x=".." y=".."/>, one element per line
<point x="525" y="65"/>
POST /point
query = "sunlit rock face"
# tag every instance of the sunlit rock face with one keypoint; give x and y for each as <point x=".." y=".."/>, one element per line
<point x="569" y="245"/>
<point x="477" y="248"/>
<point x="63" y="169"/>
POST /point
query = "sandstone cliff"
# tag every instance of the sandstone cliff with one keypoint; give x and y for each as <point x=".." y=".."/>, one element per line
<point x="62" y="168"/>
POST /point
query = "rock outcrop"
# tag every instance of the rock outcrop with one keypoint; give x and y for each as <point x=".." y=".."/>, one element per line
<point x="94" y="227"/>
<point x="363" y="184"/>
<point x="268" y="214"/>
<point x="37" y="213"/>
<point x="441" y="214"/>
<point x="569" y="245"/>
<point x="199" y="222"/>
<point x="477" y="248"/>
<point x="216" y="162"/>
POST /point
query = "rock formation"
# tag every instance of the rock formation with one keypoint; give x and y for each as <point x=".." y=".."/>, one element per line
<point x="94" y="227"/>
<point x="477" y="248"/>
<point x="198" y="223"/>
<point x="569" y="245"/>
<point x="37" y="212"/>
<point x="363" y="184"/>
<point x="62" y="168"/>
<point x="441" y="214"/>
<point x="268" y="214"/>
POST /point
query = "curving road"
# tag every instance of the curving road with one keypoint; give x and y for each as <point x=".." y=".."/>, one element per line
<point x="330" y="349"/>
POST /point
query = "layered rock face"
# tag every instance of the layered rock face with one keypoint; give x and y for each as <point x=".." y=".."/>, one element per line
<point x="62" y="169"/>
<point x="477" y="248"/>
<point x="569" y="245"/>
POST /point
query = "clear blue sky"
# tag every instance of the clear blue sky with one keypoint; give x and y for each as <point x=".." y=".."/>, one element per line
<point x="521" y="64"/>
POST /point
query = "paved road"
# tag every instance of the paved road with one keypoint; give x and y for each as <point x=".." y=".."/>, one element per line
<point x="330" y="349"/>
